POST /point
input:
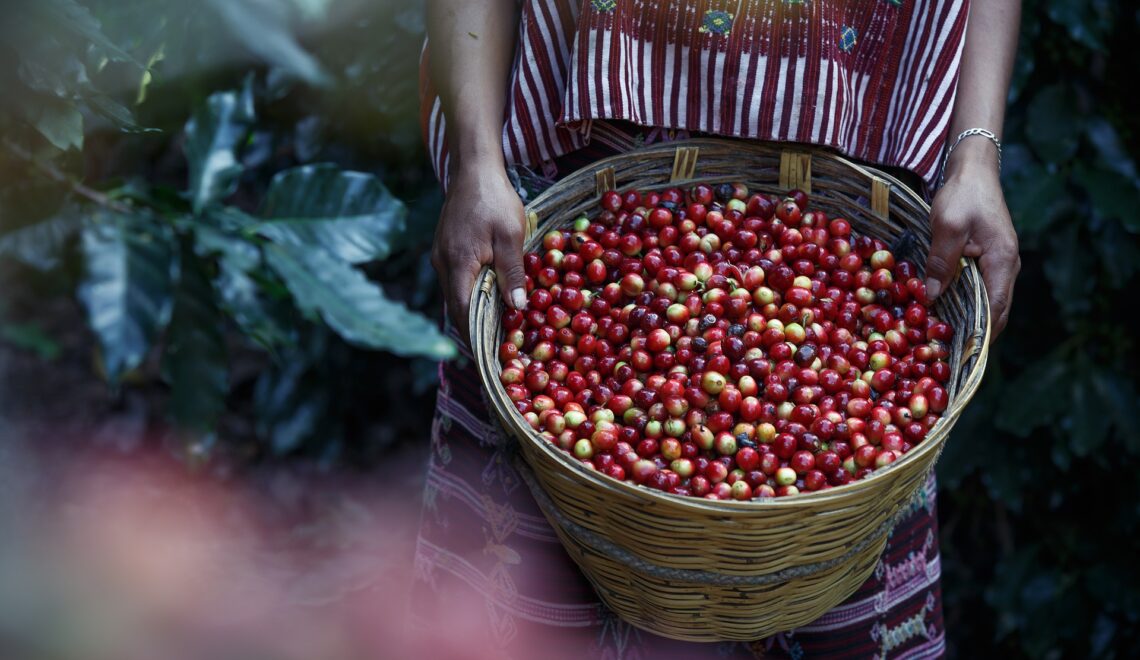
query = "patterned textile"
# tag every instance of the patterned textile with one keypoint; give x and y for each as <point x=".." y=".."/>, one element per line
<point x="485" y="544"/>
<point x="874" y="79"/>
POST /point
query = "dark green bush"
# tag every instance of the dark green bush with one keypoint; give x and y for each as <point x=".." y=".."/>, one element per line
<point x="184" y="212"/>
<point x="1038" y="482"/>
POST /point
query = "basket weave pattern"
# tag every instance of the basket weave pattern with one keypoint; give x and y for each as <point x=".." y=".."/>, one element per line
<point x="703" y="570"/>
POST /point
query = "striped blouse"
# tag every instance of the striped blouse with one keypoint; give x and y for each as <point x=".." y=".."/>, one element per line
<point x="874" y="79"/>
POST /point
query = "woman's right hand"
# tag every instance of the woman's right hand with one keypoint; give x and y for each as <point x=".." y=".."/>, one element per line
<point x="482" y="223"/>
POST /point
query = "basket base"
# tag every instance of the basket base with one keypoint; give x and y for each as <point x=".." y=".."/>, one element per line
<point x="703" y="613"/>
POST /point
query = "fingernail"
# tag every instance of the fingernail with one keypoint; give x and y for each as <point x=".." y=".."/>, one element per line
<point x="518" y="298"/>
<point x="933" y="288"/>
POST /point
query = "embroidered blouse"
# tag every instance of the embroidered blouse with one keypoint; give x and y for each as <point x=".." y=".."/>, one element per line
<point x="874" y="79"/>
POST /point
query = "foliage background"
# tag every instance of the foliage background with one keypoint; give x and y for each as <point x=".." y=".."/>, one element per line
<point x="144" y="129"/>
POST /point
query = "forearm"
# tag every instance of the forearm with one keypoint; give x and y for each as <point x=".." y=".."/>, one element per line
<point x="987" y="63"/>
<point x="969" y="216"/>
<point x="471" y="45"/>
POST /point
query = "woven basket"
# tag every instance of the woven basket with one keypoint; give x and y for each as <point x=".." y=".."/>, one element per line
<point x="701" y="570"/>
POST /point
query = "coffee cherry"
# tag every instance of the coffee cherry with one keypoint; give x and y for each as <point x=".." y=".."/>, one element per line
<point x="802" y="461"/>
<point x="785" y="476"/>
<point x="676" y="326"/>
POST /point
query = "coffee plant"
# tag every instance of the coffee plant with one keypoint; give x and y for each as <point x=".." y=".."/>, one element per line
<point x="238" y="246"/>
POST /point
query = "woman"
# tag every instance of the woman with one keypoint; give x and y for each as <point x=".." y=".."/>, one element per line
<point x="893" y="82"/>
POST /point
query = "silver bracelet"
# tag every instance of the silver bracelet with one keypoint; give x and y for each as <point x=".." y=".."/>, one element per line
<point x="965" y="134"/>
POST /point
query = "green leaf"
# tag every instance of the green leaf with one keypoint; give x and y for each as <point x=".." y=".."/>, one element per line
<point x="126" y="288"/>
<point x="31" y="337"/>
<point x="1118" y="253"/>
<point x="242" y="297"/>
<point x="1054" y="123"/>
<point x="1031" y="192"/>
<point x="1035" y="398"/>
<point x="75" y="18"/>
<point x="1088" y="423"/>
<point x="1003" y="594"/>
<point x="1111" y="195"/>
<point x="213" y="136"/>
<point x="115" y="112"/>
<point x="58" y="120"/>
<point x="1104" y="631"/>
<point x="1061" y="453"/>
<point x="194" y="362"/>
<point x="1111" y="153"/>
<point x="1071" y="270"/>
<point x="294" y="417"/>
<point x="48" y="68"/>
<point x="1023" y="67"/>
<point x="1085" y="21"/>
<point x="244" y="301"/>
<point x="1112" y="586"/>
<point x="289" y="403"/>
<point x="350" y="214"/>
<point x="1005" y="483"/>
<point x="273" y="42"/>
<point x="1118" y="395"/>
<point x="312" y="9"/>
<point x="355" y="308"/>
<point x="213" y="242"/>
<point x="229" y="219"/>
<point x="40" y="245"/>
<point x="52" y="60"/>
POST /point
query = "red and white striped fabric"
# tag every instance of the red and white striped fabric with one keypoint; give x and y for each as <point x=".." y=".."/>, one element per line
<point x="874" y="79"/>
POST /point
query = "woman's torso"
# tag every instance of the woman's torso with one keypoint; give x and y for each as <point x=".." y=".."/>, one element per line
<point x="874" y="79"/>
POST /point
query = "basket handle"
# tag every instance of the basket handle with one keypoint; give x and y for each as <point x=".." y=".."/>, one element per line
<point x="483" y="283"/>
<point x="979" y="334"/>
<point x="531" y="224"/>
<point x="970" y="352"/>
<point x="605" y="179"/>
<point x="684" y="163"/>
<point x="795" y="170"/>
<point x="880" y="197"/>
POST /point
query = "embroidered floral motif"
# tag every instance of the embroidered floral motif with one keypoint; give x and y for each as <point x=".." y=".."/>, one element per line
<point x="502" y="624"/>
<point x="890" y="638"/>
<point x="717" y="22"/>
<point x="847" y="38"/>
<point x="498" y="469"/>
<point x="502" y="518"/>
<point x="604" y="5"/>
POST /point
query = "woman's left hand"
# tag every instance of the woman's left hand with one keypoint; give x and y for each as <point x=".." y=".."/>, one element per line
<point x="969" y="218"/>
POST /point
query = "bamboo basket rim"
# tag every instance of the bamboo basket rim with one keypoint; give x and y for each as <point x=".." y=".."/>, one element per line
<point x="486" y="288"/>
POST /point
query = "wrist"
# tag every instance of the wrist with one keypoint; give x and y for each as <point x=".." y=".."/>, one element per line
<point x="476" y="168"/>
<point x="973" y="156"/>
<point x="476" y="148"/>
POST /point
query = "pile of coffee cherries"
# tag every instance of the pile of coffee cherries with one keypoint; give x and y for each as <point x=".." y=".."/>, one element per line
<point x="722" y="344"/>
